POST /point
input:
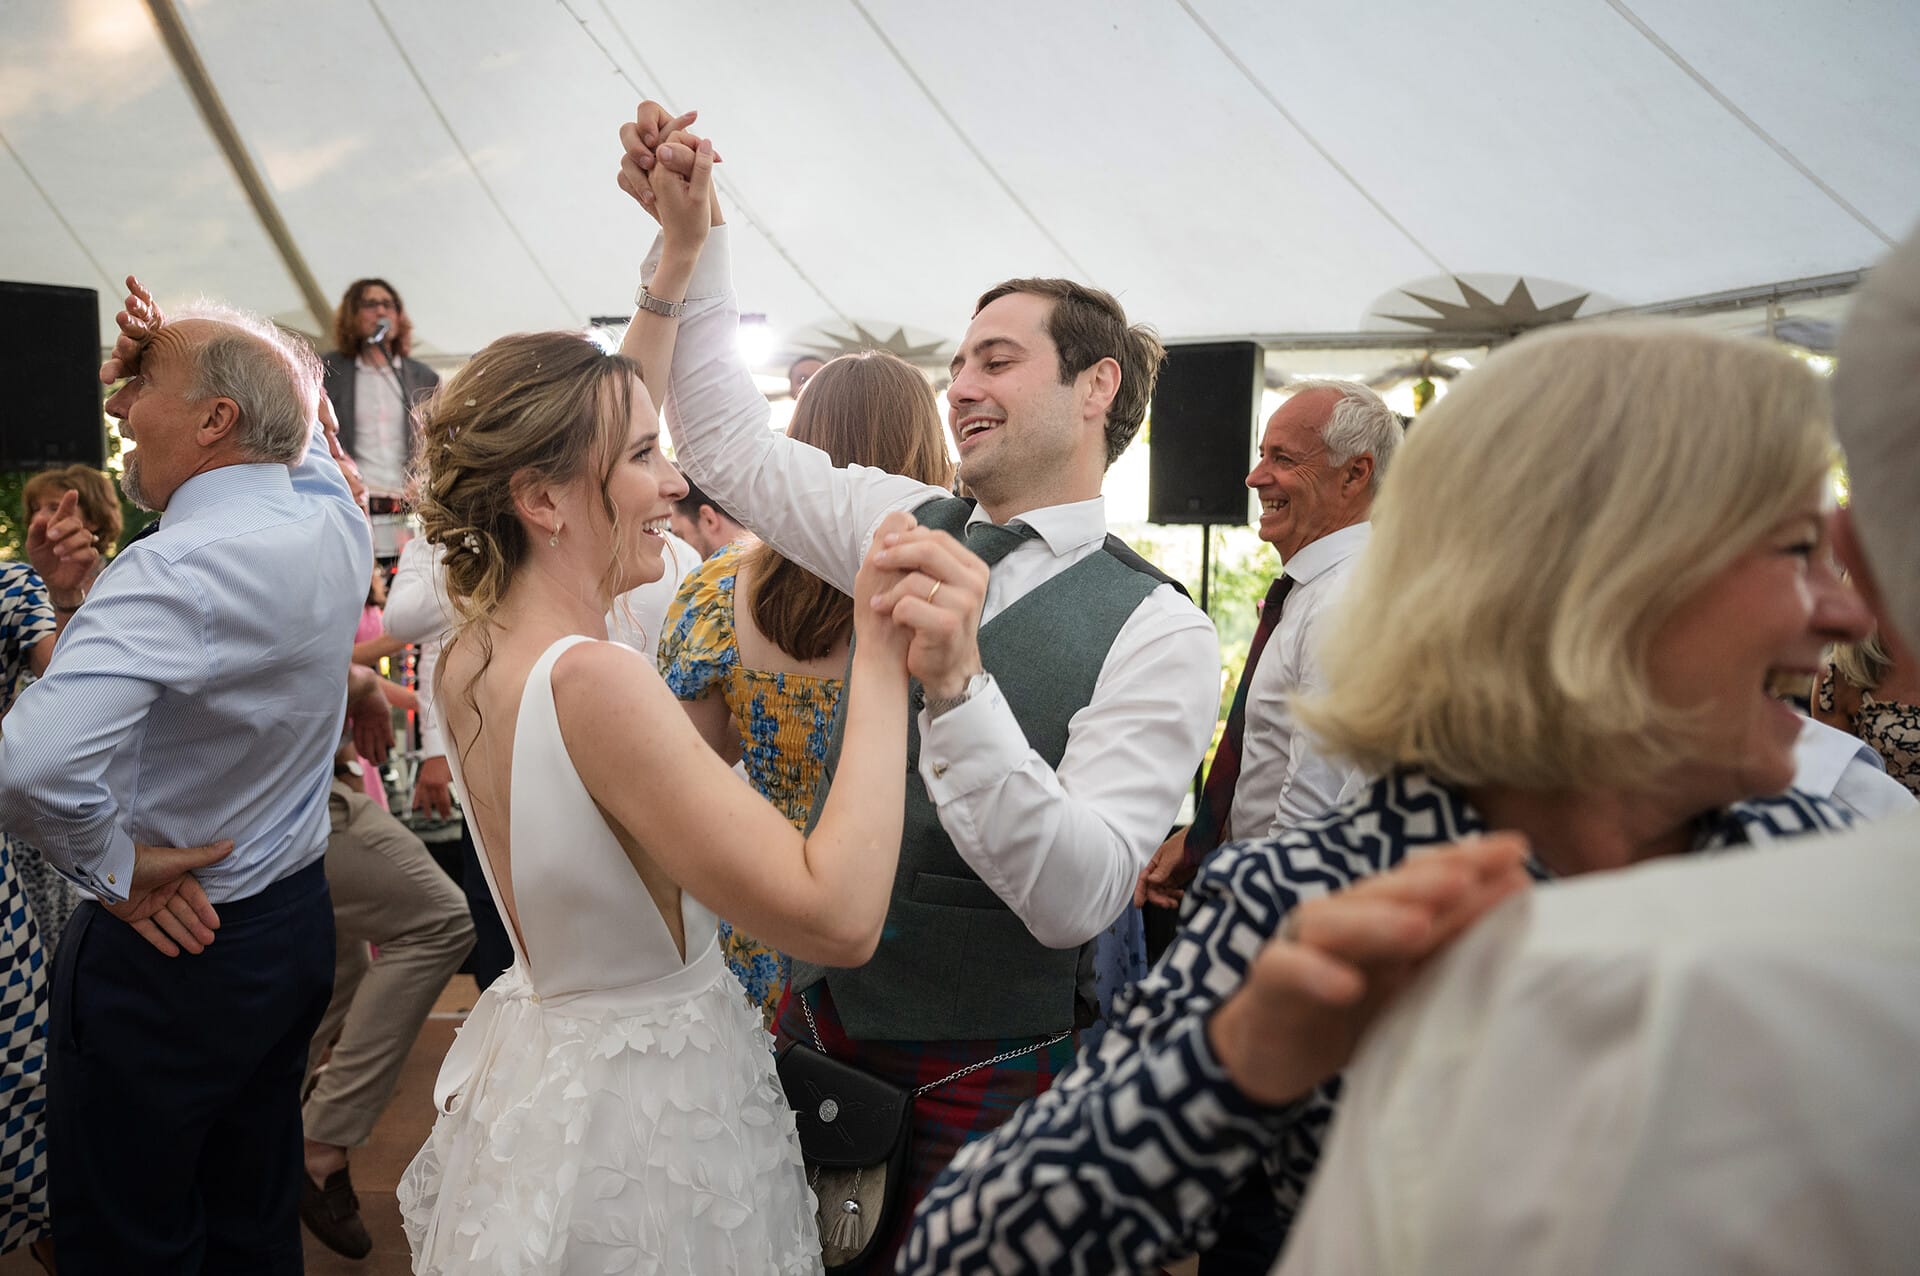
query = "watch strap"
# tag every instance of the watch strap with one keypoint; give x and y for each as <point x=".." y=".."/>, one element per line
<point x="647" y="301"/>
<point x="937" y="705"/>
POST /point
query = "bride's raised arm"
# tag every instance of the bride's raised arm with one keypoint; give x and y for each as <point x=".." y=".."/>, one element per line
<point x="679" y="195"/>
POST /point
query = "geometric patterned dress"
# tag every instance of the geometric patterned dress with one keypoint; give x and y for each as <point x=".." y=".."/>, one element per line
<point x="25" y="618"/>
<point x="1125" y="1164"/>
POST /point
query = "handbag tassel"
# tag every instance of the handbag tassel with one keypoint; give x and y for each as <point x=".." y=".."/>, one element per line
<point x="845" y="1232"/>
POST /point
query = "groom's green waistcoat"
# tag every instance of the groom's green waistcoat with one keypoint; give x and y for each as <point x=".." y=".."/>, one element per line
<point x="954" y="962"/>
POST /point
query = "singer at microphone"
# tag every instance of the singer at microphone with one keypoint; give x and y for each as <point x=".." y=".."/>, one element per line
<point x="375" y="385"/>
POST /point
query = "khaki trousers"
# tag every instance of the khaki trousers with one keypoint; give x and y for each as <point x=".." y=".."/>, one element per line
<point x="387" y="891"/>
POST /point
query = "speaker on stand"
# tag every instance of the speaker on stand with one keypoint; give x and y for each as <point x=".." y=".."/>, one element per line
<point x="1201" y="448"/>
<point x="50" y="362"/>
<point x="1202" y="442"/>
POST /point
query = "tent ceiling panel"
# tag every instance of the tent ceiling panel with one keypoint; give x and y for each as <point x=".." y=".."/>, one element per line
<point x="840" y="157"/>
<point x="92" y="105"/>
<point x="1226" y="166"/>
<point x="1544" y="140"/>
<point x="1834" y="84"/>
<point x="1186" y="202"/>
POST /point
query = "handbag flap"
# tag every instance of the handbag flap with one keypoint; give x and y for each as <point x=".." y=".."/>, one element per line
<point x="845" y="1117"/>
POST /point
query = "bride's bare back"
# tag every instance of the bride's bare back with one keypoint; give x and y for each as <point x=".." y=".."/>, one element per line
<point x="485" y="738"/>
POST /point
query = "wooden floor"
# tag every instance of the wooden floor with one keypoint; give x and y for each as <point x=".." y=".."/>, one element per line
<point x="377" y="1167"/>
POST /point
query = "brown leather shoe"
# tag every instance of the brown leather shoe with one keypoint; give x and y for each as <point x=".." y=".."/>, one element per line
<point x="332" y="1213"/>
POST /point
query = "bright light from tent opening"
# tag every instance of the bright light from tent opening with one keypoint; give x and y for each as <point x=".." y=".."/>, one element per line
<point x="756" y="339"/>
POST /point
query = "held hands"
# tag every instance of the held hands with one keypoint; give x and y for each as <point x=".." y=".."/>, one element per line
<point x="1339" y="959"/>
<point x="165" y="903"/>
<point x="64" y="552"/>
<point x="873" y="627"/>
<point x="138" y="323"/>
<point x="668" y="171"/>
<point x="941" y="588"/>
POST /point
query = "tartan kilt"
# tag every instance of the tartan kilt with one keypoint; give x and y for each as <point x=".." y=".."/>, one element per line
<point x="944" y="1120"/>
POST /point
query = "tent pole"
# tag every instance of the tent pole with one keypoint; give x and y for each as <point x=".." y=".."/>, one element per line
<point x="194" y="72"/>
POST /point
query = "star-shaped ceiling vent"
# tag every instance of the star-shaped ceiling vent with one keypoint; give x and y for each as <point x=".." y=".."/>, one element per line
<point x="1482" y="313"/>
<point x="833" y="344"/>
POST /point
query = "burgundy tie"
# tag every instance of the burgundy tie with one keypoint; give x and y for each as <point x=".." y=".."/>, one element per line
<point x="1216" y="797"/>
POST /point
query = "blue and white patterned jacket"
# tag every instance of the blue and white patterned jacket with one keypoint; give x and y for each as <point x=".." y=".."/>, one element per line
<point x="1123" y="1164"/>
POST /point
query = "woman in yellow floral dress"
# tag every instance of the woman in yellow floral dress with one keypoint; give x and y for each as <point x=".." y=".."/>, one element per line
<point x="756" y="646"/>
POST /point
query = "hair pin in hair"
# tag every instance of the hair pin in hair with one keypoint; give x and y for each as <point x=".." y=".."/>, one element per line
<point x="473" y="403"/>
<point x="472" y="542"/>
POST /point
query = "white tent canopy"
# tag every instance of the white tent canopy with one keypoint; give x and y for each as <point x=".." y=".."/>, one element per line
<point x="1227" y="167"/>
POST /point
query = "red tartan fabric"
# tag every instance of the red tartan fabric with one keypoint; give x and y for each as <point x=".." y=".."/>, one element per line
<point x="944" y="1119"/>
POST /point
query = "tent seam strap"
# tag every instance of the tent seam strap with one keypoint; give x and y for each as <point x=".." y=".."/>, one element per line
<point x="486" y="188"/>
<point x="59" y="216"/>
<point x="1260" y="87"/>
<point x="967" y="141"/>
<point x="1752" y="125"/>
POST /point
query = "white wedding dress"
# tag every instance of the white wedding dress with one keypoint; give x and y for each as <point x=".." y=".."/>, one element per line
<point x="607" y="1107"/>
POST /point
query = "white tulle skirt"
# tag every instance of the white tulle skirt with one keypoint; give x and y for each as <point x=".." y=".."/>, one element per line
<point x="638" y="1131"/>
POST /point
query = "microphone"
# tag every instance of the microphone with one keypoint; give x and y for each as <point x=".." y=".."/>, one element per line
<point x="380" y="331"/>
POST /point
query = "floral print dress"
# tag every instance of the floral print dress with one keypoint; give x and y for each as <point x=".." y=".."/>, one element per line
<point x="785" y="721"/>
<point x="1890" y="728"/>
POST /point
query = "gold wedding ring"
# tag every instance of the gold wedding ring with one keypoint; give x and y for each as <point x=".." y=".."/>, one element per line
<point x="935" y="589"/>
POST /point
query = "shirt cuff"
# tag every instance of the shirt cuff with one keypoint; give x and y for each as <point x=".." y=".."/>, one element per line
<point x="109" y="877"/>
<point x="712" y="273"/>
<point x="971" y="746"/>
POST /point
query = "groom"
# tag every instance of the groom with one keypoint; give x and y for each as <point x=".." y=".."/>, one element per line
<point x="1073" y="687"/>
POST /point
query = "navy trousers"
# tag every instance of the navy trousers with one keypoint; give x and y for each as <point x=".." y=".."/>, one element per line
<point x="174" y="1088"/>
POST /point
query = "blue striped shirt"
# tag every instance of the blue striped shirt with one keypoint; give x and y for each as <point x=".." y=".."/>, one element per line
<point x="199" y="693"/>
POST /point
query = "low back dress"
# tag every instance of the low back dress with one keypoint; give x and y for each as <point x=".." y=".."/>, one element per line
<point x="609" y="1106"/>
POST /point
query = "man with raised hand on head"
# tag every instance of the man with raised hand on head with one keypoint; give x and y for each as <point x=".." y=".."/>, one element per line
<point x="1069" y="689"/>
<point x="194" y="702"/>
<point x="1699" y="1066"/>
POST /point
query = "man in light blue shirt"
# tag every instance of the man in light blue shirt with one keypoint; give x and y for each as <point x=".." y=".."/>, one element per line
<point x="195" y="699"/>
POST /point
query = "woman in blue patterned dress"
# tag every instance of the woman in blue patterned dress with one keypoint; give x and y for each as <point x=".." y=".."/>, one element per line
<point x="1586" y="564"/>
<point x="755" y="645"/>
<point x="27" y="632"/>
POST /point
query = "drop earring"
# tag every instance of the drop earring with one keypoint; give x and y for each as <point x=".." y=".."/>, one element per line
<point x="554" y="540"/>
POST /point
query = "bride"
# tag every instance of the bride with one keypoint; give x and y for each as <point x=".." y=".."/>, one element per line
<point x="611" y="1104"/>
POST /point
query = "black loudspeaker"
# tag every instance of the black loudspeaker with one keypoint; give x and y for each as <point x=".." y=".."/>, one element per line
<point x="1202" y="439"/>
<point x="49" y="368"/>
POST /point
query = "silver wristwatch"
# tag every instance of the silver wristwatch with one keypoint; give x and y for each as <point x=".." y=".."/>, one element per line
<point x="647" y="301"/>
<point x="937" y="705"/>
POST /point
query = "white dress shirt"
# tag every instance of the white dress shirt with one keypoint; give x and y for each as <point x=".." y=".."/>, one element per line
<point x="1285" y="776"/>
<point x="1698" y="1066"/>
<point x="420" y="611"/>
<point x="380" y="424"/>
<point x="1061" y="847"/>
<point x="198" y="694"/>
<point x="1846" y="771"/>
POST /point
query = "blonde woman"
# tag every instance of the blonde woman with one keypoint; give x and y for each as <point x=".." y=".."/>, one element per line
<point x="1586" y="563"/>
<point x="611" y="1104"/>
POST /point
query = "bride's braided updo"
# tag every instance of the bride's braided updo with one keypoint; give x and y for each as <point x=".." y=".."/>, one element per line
<point x="544" y="407"/>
